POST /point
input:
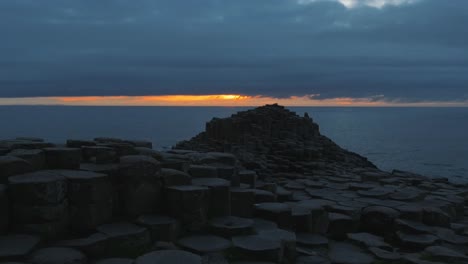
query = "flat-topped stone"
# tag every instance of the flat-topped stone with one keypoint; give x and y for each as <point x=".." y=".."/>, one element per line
<point x="439" y="253"/>
<point x="385" y="254"/>
<point x="11" y="165"/>
<point x="378" y="219"/>
<point x="35" y="157"/>
<point x="368" y="240"/>
<point x="115" y="261"/>
<point x="190" y="204"/>
<point x="63" y="158"/>
<point x="416" y="241"/>
<point x="211" y="182"/>
<point x="41" y="187"/>
<point x="312" y="260"/>
<point x="258" y="247"/>
<point x="230" y="226"/>
<point x="279" y="213"/>
<point x="57" y="255"/>
<point x="340" y="225"/>
<point x="169" y="257"/>
<point x="141" y="191"/>
<point x="311" y="240"/>
<point x="17" y="246"/>
<point x="172" y="177"/>
<point x="94" y="245"/>
<point x="125" y="239"/>
<point x="345" y="253"/>
<point x="203" y="171"/>
<point x="161" y="227"/>
<point x="203" y="244"/>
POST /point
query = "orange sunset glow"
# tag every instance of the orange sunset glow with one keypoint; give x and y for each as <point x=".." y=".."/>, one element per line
<point x="217" y="100"/>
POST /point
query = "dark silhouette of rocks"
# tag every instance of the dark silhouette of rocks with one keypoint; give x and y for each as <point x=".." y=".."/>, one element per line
<point x="263" y="186"/>
<point x="273" y="139"/>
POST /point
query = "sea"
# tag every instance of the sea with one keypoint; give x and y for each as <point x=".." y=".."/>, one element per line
<point x="428" y="141"/>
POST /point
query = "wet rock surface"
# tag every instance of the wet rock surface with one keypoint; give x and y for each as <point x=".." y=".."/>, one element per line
<point x="263" y="186"/>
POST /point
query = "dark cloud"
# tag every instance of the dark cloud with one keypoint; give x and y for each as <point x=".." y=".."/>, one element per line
<point x="407" y="52"/>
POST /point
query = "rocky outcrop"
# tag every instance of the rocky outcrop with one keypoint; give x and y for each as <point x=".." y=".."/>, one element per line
<point x="278" y="192"/>
<point x="273" y="139"/>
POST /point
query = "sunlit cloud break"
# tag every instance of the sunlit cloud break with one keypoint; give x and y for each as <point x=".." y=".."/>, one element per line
<point x="369" y="3"/>
<point x="224" y="100"/>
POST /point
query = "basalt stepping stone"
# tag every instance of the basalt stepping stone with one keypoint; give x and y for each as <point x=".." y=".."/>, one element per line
<point x="345" y="253"/>
<point x="11" y="165"/>
<point x="203" y="171"/>
<point x="378" y="219"/>
<point x="287" y="240"/>
<point x="384" y="254"/>
<point x="203" y="244"/>
<point x="125" y="239"/>
<point x="299" y="196"/>
<point x="141" y="187"/>
<point x="312" y="260"/>
<point x="444" y="254"/>
<point x="242" y="202"/>
<point x="375" y="193"/>
<point x="230" y="226"/>
<point x="248" y="177"/>
<point x="17" y="246"/>
<point x="220" y="195"/>
<point x="38" y="188"/>
<point x="411" y="211"/>
<point x="169" y="257"/>
<point x="35" y="157"/>
<point x="57" y="255"/>
<point x="369" y="240"/>
<point x="316" y="203"/>
<point x="78" y="143"/>
<point x="435" y="217"/>
<point x="355" y="186"/>
<point x="353" y="212"/>
<point x="313" y="218"/>
<point x="115" y="261"/>
<point x="311" y="240"/>
<point x="93" y="245"/>
<point x="189" y="204"/>
<point x="99" y="154"/>
<point x="340" y="225"/>
<point x="262" y="196"/>
<point x="30" y="214"/>
<point x="161" y="227"/>
<point x="293" y="185"/>
<point x="171" y="177"/>
<point x="257" y="247"/>
<point x="416" y="241"/>
<point x="448" y="235"/>
<point x="262" y="224"/>
<point x="4" y="209"/>
<point x="407" y="194"/>
<point x="282" y="194"/>
<point x="412" y="227"/>
<point x="279" y="213"/>
<point x="63" y="158"/>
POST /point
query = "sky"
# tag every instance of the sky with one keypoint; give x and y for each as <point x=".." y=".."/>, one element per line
<point x="318" y="52"/>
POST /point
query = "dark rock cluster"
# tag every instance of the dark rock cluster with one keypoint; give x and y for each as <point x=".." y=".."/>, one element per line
<point x="112" y="201"/>
<point x="273" y="139"/>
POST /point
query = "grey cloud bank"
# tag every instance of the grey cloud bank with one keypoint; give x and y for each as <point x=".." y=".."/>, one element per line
<point x="408" y="50"/>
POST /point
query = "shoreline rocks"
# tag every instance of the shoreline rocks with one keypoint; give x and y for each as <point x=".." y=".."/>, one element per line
<point x="262" y="185"/>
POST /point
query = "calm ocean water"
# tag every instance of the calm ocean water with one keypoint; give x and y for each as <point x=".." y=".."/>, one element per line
<point x="430" y="141"/>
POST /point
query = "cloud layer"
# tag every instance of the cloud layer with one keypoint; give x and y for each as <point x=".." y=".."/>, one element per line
<point x="410" y="50"/>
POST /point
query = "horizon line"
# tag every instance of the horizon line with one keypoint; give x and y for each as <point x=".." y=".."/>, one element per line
<point x="221" y="100"/>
